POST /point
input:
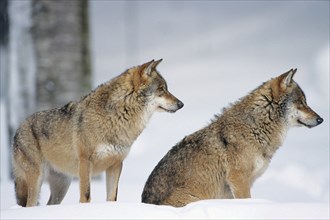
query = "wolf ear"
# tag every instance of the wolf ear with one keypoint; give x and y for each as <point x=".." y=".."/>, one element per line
<point x="148" y="67"/>
<point x="155" y="64"/>
<point x="286" y="78"/>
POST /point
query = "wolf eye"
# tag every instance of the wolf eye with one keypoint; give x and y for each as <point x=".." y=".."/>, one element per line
<point x="161" y="91"/>
<point x="146" y="92"/>
<point x="300" y="104"/>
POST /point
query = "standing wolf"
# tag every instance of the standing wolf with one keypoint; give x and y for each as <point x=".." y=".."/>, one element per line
<point x="223" y="159"/>
<point x="87" y="137"/>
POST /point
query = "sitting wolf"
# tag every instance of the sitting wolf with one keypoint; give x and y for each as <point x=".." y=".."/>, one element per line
<point x="223" y="159"/>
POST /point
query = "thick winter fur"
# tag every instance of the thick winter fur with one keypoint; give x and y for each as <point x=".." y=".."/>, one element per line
<point x="222" y="160"/>
<point x="89" y="136"/>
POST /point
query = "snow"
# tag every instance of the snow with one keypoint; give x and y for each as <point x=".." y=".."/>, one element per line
<point x="212" y="209"/>
<point x="126" y="208"/>
<point x="214" y="53"/>
<point x="207" y="209"/>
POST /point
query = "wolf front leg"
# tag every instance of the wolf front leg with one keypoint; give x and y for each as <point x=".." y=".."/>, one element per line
<point x="85" y="167"/>
<point x="239" y="183"/>
<point x="112" y="179"/>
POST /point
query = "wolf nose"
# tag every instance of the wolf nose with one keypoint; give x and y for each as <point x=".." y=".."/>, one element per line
<point x="179" y="104"/>
<point x="319" y="120"/>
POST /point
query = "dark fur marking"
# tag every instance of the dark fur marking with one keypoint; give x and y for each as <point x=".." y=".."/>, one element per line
<point x="128" y="95"/>
<point x="126" y="113"/>
<point x="80" y="118"/>
<point x="16" y="139"/>
<point x="269" y="102"/>
<point x="283" y="107"/>
<point x="33" y="131"/>
<point x="225" y="142"/>
<point x="267" y="129"/>
<point x="45" y="132"/>
<point x="67" y="109"/>
<point x="35" y="135"/>
<point x="88" y="193"/>
<point x="223" y="139"/>
<point x="270" y="116"/>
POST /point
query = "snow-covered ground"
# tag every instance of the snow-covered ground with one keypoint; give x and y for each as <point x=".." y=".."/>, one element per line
<point x="214" y="53"/>
<point x="208" y="209"/>
<point x="127" y="208"/>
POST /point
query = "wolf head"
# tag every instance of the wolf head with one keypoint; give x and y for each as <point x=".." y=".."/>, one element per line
<point x="149" y="84"/>
<point x="292" y="101"/>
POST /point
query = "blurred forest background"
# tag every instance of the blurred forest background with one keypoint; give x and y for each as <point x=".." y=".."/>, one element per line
<point x="214" y="52"/>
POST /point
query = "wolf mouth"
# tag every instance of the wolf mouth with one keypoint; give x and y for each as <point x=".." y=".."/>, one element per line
<point x="167" y="110"/>
<point x="300" y="122"/>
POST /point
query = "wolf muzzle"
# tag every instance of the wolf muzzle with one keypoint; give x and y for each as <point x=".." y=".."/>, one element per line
<point x="319" y="120"/>
<point x="180" y="104"/>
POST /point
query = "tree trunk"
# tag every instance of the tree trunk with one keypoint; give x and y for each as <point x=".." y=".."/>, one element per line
<point x="21" y="68"/>
<point x="61" y="41"/>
